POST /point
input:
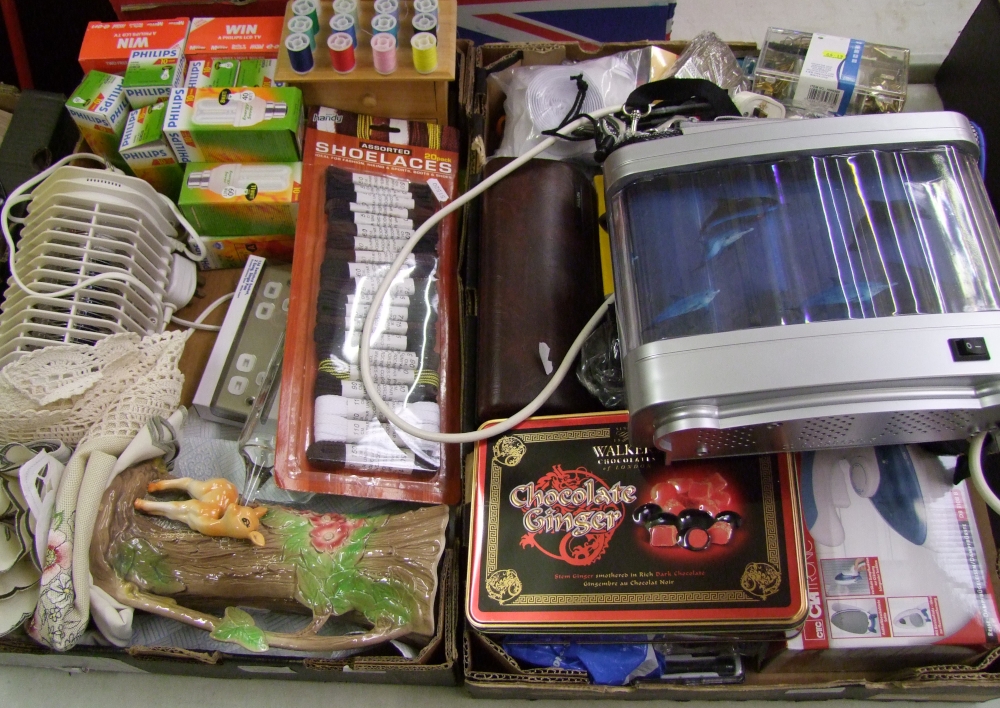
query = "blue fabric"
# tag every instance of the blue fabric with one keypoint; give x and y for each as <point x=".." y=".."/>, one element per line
<point x="606" y="664"/>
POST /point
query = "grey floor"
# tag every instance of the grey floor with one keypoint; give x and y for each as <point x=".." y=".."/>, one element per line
<point x="927" y="27"/>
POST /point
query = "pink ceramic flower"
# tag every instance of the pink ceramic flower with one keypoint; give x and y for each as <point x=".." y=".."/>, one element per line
<point x="57" y="556"/>
<point x="330" y="531"/>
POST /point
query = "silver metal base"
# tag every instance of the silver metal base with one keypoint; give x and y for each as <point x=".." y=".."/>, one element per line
<point x="821" y="385"/>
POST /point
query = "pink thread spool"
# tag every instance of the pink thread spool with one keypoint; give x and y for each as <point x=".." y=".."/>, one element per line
<point x="341" y="47"/>
<point x="384" y="52"/>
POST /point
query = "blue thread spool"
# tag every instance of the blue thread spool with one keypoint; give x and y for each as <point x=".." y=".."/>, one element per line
<point x="344" y="23"/>
<point x="303" y="24"/>
<point x="387" y="7"/>
<point x="299" y="54"/>
<point x="385" y="24"/>
<point x="424" y="23"/>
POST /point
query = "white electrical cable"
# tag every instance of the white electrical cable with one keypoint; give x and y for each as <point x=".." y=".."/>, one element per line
<point x="200" y="319"/>
<point x="976" y="473"/>
<point x="383" y="289"/>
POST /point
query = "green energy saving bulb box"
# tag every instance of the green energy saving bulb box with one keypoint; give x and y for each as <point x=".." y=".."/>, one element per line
<point x="250" y="124"/>
<point x="146" y="150"/>
<point x="212" y="73"/>
<point x="242" y="199"/>
<point x="100" y="111"/>
<point x="151" y="74"/>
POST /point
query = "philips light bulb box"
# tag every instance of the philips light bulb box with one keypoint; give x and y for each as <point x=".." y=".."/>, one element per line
<point x="212" y="73"/>
<point x="107" y="46"/>
<point x="896" y="571"/>
<point x="145" y="149"/>
<point x="151" y="73"/>
<point x="99" y="108"/>
<point x="242" y="199"/>
<point x="250" y="124"/>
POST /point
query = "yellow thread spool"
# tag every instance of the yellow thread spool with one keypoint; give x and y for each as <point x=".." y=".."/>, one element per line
<point x="425" y="52"/>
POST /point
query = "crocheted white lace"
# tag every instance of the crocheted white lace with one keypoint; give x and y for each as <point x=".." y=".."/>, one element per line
<point x="63" y="392"/>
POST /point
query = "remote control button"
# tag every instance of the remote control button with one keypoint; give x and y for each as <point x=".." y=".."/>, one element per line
<point x="284" y="305"/>
<point x="272" y="290"/>
<point x="245" y="362"/>
<point x="237" y="385"/>
<point x="260" y="378"/>
<point x="264" y="311"/>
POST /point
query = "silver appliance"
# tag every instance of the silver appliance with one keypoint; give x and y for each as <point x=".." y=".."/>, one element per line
<point x="793" y="285"/>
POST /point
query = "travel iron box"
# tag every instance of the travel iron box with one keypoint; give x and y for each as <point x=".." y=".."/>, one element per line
<point x="573" y="529"/>
<point x="896" y="571"/>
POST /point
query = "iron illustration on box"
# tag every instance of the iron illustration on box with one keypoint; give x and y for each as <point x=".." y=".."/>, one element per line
<point x="575" y="529"/>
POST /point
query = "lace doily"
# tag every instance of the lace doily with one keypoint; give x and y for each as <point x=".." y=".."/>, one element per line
<point x="61" y="392"/>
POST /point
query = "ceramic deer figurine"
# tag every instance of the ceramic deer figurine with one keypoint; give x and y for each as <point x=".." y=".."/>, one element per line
<point x="212" y="509"/>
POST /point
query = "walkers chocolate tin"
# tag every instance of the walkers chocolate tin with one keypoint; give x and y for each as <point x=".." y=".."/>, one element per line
<point x="573" y="529"/>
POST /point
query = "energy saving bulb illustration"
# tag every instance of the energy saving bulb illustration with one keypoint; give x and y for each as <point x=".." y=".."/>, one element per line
<point x="239" y="111"/>
<point x="231" y="180"/>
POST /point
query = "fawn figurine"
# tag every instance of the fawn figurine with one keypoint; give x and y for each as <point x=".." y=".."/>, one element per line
<point x="212" y="509"/>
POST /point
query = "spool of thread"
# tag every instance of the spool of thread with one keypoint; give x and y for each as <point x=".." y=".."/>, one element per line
<point x="303" y="24"/>
<point x="429" y="7"/>
<point x="425" y="52"/>
<point x="345" y="24"/>
<point x="299" y="54"/>
<point x="385" y="24"/>
<point x="346" y="7"/>
<point x="424" y="23"/>
<point x="341" y="47"/>
<point x="308" y="8"/>
<point x="384" y="52"/>
<point x="387" y="7"/>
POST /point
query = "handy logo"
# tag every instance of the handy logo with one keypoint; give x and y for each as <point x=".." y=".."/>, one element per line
<point x="133" y="42"/>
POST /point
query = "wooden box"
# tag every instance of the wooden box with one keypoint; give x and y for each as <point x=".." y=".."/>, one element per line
<point x="404" y="94"/>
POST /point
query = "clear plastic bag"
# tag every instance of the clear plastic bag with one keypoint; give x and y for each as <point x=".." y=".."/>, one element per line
<point x="539" y="97"/>
<point x="708" y="57"/>
<point x="600" y="368"/>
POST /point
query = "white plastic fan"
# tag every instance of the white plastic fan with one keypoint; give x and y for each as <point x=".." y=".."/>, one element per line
<point x="100" y="253"/>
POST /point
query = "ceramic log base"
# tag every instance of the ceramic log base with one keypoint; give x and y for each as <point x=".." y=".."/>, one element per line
<point x="384" y="568"/>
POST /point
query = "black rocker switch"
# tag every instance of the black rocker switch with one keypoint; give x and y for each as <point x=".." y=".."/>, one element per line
<point x="969" y="349"/>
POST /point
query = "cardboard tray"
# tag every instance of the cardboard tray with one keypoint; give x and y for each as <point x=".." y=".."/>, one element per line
<point x="492" y="673"/>
<point x="436" y="665"/>
<point x="489" y="671"/>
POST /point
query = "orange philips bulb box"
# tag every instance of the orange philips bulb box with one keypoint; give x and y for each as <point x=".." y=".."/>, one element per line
<point x="234" y="37"/>
<point x="107" y="45"/>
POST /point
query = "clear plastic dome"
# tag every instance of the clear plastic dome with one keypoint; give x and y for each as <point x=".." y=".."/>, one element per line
<point x="780" y="241"/>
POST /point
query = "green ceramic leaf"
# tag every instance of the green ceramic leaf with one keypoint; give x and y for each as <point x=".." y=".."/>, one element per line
<point x="331" y="583"/>
<point x="138" y="561"/>
<point x="239" y="628"/>
<point x="291" y="529"/>
<point x="310" y="591"/>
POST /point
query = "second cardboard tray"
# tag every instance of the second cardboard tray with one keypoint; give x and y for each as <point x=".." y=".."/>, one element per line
<point x="404" y="94"/>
